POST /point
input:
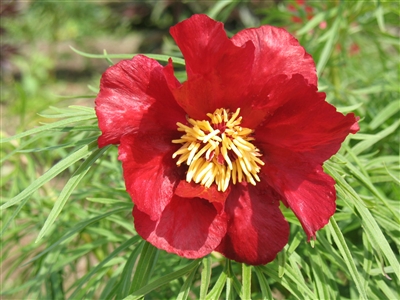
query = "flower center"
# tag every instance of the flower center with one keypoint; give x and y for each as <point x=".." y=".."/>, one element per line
<point x="219" y="150"/>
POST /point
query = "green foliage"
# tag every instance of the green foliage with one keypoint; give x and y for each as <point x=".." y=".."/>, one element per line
<point x="67" y="229"/>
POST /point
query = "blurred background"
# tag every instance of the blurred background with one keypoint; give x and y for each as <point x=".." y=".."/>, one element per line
<point x="37" y="63"/>
<point x="356" y="48"/>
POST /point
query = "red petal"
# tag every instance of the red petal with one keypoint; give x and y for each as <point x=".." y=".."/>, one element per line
<point x="128" y="91"/>
<point x="257" y="230"/>
<point x="205" y="45"/>
<point x="277" y="52"/>
<point x="150" y="173"/>
<point x="193" y="190"/>
<point x="218" y="71"/>
<point x="296" y="140"/>
<point x="305" y="123"/>
<point x="311" y="195"/>
<point x="188" y="227"/>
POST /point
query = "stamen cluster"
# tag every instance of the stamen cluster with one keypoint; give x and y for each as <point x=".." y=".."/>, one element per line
<point x="218" y="150"/>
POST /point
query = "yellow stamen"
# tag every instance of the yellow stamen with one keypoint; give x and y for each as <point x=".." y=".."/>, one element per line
<point x="218" y="151"/>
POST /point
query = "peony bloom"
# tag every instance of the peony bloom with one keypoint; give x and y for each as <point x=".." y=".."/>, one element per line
<point x="207" y="161"/>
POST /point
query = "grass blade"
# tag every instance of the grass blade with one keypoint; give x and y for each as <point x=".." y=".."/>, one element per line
<point x="345" y="252"/>
<point x="50" y="174"/>
<point x="159" y="57"/>
<point x="68" y="189"/>
<point x="205" y="276"/>
<point x="162" y="281"/>
<point x="46" y="127"/>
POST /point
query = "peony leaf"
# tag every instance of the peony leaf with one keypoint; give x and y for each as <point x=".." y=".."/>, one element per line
<point x="372" y="228"/>
<point x="45" y="127"/>
<point x="385" y="114"/>
<point x="68" y="189"/>
<point x="348" y="259"/>
<point x="216" y="291"/>
<point x="265" y="289"/>
<point x="205" y="276"/>
<point x="287" y="283"/>
<point x="184" y="291"/>
<point x="159" y="57"/>
<point x="148" y="258"/>
<point x="332" y="35"/>
<point x="162" y="281"/>
<point x="318" y="268"/>
<point x="95" y="270"/>
<point x="50" y="174"/>
<point x="126" y="276"/>
<point x="366" y="144"/>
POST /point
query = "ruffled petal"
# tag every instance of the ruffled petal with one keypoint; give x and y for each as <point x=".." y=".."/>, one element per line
<point x="128" y="91"/>
<point x="305" y="123"/>
<point x="205" y="45"/>
<point x="192" y="190"/>
<point x="276" y="52"/>
<point x="257" y="230"/>
<point x="310" y="194"/>
<point x="218" y="71"/>
<point x="295" y="140"/>
<point x="188" y="227"/>
<point x="149" y="171"/>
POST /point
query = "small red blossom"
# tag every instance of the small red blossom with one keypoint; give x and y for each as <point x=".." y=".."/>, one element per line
<point x="207" y="161"/>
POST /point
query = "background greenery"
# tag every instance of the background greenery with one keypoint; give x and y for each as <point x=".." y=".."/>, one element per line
<point x="67" y="229"/>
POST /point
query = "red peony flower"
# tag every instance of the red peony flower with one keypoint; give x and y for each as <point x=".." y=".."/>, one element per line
<point x="207" y="161"/>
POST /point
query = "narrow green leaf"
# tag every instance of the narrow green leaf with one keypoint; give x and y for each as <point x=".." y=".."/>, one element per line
<point x="265" y="289"/>
<point x="368" y="259"/>
<point x="83" y="108"/>
<point x="229" y="290"/>
<point x="68" y="189"/>
<point x="299" y="281"/>
<point x="385" y="114"/>
<point x="104" y="200"/>
<point x="147" y="260"/>
<point x="374" y="233"/>
<point x="379" y="17"/>
<point x="246" y="282"/>
<point x="14" y="214"/>
<point x="364" y="145"/>
<point x="389" y="293"/>
<point x="205" y="276"/>
<point x="347" y="257"/>
<point x="366" y="181"/>
<point x="329" y="45"/>
<point x="184" y="291"/>
<point x="50" y="174"/>
<point x="126" y="276"/>
<point x="110" y="62"/>
<point x="162" y="281"/>
<point x="350" y="108"/>
<point x="45" y="127"/>
<point x="320" y="281"/>
<point x="217" y="8"/>
<point x="103" y="263"/>
<point x="316" y="20"/>
<point x="216" y="291"/>
<point x="294" y="243"/>
<point x="281" y="262"/>
<point x="292" y="286"/>
<point x="75" y="144"/>
<point x="158" y="57"/>
<point x="74" y="230"/>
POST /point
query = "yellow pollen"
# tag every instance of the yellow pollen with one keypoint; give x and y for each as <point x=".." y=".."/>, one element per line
<point x="218" y="151"/>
